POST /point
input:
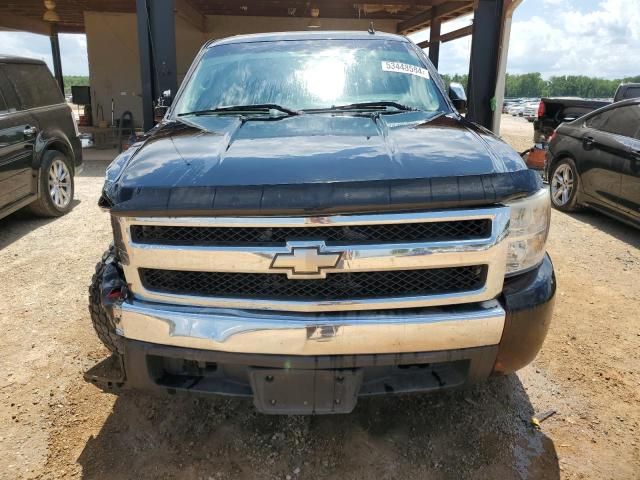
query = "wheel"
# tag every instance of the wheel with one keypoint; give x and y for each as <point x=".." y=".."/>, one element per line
<point x="56" y="186"/>
<point x="100" y="316"/>
<point x="563" y="182"/>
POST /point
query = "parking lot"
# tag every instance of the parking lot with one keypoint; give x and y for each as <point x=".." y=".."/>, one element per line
<point x="54" y="425"/>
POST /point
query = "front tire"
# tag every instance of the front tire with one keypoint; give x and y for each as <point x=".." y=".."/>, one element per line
<point x="100" y="316"/>
<point x="563" y="184"/>
<point x="56" y="185"/>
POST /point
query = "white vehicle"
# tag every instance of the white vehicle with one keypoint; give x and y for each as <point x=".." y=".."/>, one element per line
<point x="530" y="111"/>
<point x="516" y="110"/>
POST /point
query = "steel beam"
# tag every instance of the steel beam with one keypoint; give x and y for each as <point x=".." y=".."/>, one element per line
<point x="163" y="44"/>
<point x="157" y="50"/>
<point x="434" y="38"/>
<point x="483" y="68"/>
<point x="146" y="65"/>
<point x="55" y="54"/>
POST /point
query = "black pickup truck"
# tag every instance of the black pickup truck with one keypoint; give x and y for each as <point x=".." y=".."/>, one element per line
<point x="553" y="111"/>
<point x="556" y="110"/>
<point x="313" y="221"/>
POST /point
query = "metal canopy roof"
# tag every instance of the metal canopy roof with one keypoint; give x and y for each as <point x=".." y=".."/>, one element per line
<point x="412" y="14"/>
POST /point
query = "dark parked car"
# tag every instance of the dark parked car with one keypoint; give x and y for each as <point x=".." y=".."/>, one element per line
<point x="595" y="161"/>
<point x="40" y="151"/>
<point x="312" y="222"/>
<point x="625" y="91"/>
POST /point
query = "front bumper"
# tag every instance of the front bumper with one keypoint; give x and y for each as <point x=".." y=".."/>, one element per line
<point x="285" y="333"/>
<point x="200" y="350"/>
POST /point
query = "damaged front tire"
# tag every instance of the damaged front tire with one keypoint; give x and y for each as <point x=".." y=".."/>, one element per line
<point x="101" y="315"/>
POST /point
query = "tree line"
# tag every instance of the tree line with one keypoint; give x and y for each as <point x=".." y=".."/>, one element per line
<point x="74" y="80"/>
<point x="523" y="85"/>
<point x="533" y="85"/>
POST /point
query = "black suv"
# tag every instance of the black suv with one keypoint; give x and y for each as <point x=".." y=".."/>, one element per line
<point x="40" y="151"/>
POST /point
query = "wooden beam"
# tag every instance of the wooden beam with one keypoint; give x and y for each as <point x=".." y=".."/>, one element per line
<point x="186" y="10"/>
<point x="447" y="37"/>
<point x="455" y="34"/>
<point x="423" y="20"/>
<point x="9" y="21"/>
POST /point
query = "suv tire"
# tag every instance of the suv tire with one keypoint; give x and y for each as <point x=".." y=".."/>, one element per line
<point x="56" y="186"/>
<point x="100" y="316"/>
<point x="563" y="184"/>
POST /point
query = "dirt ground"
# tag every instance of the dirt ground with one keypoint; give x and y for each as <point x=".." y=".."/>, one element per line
<point x="54" y="425"/>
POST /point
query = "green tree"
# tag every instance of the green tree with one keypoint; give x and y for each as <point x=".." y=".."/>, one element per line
<point x="74" y="80"/>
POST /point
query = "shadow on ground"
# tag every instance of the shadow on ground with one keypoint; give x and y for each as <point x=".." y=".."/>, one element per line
<point x="95" y="168"/>
<point x="18" y="224"/>
<point x="617" y="229"/>
<point x="483" y="432"/>
<point x="13" y="227"/>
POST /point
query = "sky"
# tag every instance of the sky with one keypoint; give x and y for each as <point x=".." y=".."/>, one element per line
<point x="599" y="38"/>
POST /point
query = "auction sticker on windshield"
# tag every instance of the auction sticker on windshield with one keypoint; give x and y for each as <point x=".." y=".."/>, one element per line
<point x="405" y="68"/>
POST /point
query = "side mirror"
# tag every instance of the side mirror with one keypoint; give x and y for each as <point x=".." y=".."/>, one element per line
<point x="162" y="105"/>
<point x="458" y="97"/>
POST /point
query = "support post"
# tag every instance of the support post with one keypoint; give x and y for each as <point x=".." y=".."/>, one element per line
<point x="157" y="50"/>
<point x="55" y="54"/>
<point x="434" y="38"/>
<point x="483" y="68"/>
<point x="509" y="8"/>
<point x="146" y="67"/>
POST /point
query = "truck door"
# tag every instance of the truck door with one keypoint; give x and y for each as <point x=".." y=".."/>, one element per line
<point x="17" y="141"/>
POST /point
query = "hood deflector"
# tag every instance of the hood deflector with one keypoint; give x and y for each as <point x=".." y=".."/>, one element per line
<point x="329" y="198"/>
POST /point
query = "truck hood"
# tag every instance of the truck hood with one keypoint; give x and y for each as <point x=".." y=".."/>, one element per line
<point x="226" y="151"/>
<point x="217" y="151"/>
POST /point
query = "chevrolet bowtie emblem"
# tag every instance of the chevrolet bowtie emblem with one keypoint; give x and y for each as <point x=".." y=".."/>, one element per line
<point x="306" y="262"/>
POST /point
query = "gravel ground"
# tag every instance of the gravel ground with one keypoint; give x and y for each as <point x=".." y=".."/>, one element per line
<point x="54" y="425"/>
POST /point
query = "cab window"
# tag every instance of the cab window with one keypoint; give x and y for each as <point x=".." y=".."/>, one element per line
<point x="8" y="97"/>
<point x="34" y="85"/>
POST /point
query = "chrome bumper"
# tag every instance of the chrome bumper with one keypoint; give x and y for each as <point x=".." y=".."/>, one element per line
<point x="251" y="332"/>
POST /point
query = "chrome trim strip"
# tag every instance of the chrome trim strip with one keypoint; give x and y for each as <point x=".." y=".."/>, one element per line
<point x="291" y="334"/>
<point x="319" y="221"/>
<point x="355" y="258"/>
<point x="490" y="251"/>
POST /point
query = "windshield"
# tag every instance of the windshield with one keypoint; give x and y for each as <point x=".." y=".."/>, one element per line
<point x="310" y="75"/>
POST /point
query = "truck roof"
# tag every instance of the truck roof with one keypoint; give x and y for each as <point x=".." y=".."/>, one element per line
<point x="307" y="35"/>
<point x="14" y="59"/>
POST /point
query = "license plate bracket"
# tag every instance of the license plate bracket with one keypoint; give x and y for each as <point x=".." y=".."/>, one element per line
<point x="305" y="392"/>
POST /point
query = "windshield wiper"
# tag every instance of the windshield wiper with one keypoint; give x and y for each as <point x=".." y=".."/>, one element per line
<point x="378" y="105"/>
<point x="256" y="108"/>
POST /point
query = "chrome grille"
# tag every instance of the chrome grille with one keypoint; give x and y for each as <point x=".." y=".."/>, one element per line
<point x="350" y="234"/>
<point x="339" y="286"/>
<point x="369" y="262"/>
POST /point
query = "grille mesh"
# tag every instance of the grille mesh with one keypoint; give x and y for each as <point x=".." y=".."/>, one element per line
<point x="337" y="286"/>
<point x="353" y="234"/>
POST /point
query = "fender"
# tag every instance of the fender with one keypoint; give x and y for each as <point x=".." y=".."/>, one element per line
<point x="54" y="135"/>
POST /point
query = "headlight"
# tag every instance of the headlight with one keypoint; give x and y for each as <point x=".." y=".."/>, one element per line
<point x="528" y="231"/>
